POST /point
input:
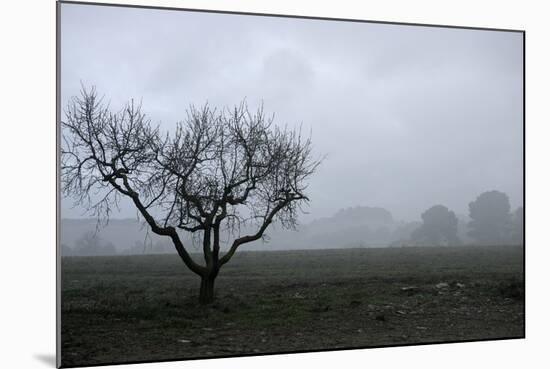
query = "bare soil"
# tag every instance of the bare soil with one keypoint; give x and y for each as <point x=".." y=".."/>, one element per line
<point x="142" y="308"/>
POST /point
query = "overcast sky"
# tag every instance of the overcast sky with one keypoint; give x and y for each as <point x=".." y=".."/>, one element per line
<point x="408" y="116"/>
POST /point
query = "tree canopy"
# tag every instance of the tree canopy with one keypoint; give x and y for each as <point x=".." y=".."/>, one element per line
<point x="491" y="222"/>
<point x="439" y="227"/>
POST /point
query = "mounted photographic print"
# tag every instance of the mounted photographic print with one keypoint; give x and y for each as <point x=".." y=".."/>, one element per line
<point x="237" y="184"/>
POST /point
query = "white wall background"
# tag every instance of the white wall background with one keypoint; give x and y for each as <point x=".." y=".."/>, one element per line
<point x="27" y="182"/>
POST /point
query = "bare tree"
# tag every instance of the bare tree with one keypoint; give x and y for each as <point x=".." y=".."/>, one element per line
<point x="218" y="171"/>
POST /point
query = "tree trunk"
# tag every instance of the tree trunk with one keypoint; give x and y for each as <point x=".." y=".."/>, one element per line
<point x="206" y="295"/>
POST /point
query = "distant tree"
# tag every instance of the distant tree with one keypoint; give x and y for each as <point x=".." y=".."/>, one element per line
<point x="517" y="226"/>
<point x="91" y="244"/>
<point x="218" y="171"/>
<point x="402" y="233"/>
<point x="439" y="228"/>
<point x="491" y="222"/>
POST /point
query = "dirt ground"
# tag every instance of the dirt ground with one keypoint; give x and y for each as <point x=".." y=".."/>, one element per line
<point x="142" y="308"/>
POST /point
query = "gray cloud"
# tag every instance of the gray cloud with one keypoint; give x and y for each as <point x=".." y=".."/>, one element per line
<point x="408" y="116"/>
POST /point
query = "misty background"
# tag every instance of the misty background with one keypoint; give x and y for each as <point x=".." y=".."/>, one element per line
<point x="408" y="117"/>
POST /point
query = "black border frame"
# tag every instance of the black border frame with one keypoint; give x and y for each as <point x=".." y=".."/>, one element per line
<point x="58" y="110"/>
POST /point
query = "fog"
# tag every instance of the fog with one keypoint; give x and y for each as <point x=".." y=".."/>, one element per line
<point x="407" y="116"/>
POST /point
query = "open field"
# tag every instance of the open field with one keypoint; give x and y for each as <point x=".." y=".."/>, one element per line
<point x="140" y="308"/>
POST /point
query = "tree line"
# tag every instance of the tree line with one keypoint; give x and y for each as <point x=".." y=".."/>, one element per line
<point x="491" y="223"/>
